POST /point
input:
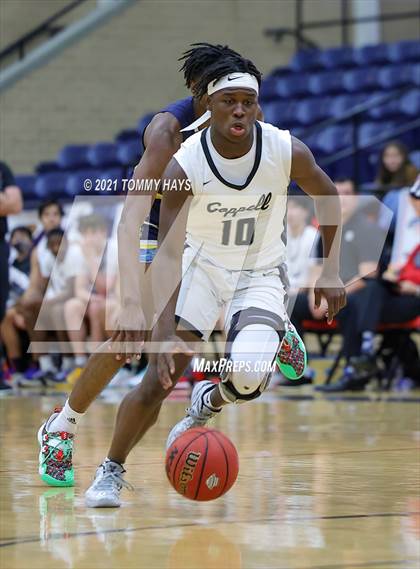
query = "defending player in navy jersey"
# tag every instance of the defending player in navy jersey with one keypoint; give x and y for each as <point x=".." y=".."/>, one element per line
<point x="240" y="167"/>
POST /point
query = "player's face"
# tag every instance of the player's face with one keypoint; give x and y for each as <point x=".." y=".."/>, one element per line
<point x="234" y="112"/>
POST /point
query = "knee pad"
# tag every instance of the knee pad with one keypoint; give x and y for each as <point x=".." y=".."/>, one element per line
<point x="240" y="386"/>
<point x="247" y="375"/>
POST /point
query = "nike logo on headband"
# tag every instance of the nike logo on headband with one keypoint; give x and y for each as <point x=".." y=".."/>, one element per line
<point x="233" y="78"/>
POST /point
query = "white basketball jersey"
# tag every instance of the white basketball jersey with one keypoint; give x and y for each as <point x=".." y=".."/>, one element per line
<point x="239" y="226"/>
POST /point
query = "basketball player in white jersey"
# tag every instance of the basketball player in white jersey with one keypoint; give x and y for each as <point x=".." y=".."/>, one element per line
<point x="161" y="139"/>
<point x="226" y="205"/>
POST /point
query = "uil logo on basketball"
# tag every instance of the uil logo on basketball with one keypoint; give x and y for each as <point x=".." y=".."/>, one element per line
<point x="187" y="473"/>
<point x="212" y="481"/>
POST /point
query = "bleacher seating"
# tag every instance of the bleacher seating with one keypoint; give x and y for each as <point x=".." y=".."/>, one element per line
<point x="45" y="167"/>
<point x="103" y="155"/>
<point x="27" y="184"/>
<point x="128" y="134"/>
<point x="73" y="157"/>
<point x="74" y="182"/>
<point x="51" y="185"/>
<point x="337" y="57"/>
<point x="128" y="152"/>
<point x="316" y="86"/>
<point x="415" y="158"/>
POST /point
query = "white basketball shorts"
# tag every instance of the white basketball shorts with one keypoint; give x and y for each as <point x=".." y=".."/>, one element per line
<point x="208" y="292"/>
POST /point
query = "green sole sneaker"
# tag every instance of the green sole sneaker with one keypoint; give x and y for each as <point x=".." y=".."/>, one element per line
<point x="55" y="456"/>
<point x="292" y="358"/>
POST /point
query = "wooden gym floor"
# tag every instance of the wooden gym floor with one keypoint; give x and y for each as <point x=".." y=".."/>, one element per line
<point x="323" y="484"/>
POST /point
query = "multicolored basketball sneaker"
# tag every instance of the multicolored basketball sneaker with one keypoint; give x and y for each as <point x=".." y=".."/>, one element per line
<point x="292" y="358"/>
<point x="55" y="455"/>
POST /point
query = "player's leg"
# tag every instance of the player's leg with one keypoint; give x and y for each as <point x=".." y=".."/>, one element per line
<point x="144" y="428"/>
<point x="254" y="337"/>
<point x="139" y="408"/>
<point x="138" y="412"/>
<point x="100" y="369"/>
<point x="252" y="344"/>
<point x="255" y="322"/>
<point x="197" y="310"/>
<point x="56" y="435"/>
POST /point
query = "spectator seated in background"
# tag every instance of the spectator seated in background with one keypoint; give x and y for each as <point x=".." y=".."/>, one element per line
<point x="390" y="299"/>
<point x="12" y="328"/>
<point x="301" y="238"/>
<point x="50" y="214"/>
<point x="48" y="315"/>
<point x="10" y="203"/>
<point x="395" y="168"/>
<point x="360" y="250"/>
<point x="395" y="298"/>
<point x="94" y="291"/>
<point x="392" y="199"/>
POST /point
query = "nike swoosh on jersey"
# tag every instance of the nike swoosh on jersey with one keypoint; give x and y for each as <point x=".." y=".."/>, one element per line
<point x="208" y="182"/>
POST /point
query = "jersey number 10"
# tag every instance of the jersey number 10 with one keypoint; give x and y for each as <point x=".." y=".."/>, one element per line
<point x="244" y="232"/>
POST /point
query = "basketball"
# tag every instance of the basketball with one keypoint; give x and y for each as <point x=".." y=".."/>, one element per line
<point x="202" y="464"/>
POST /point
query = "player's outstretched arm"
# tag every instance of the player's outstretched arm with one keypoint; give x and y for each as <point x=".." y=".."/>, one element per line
<point x="315" y="182"/>
<point x="162" y="140"/>
<point x="167" y="272"/>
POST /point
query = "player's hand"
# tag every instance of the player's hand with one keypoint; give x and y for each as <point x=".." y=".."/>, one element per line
<point x="332" y="289"/>
<point x="128" y="338"/>
<point x="165" y="359"/>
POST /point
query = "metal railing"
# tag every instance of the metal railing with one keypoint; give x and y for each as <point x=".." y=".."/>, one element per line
<point x="49" y="28"/>
<point x="354" y="117"/>
<point x="344" y="23"/>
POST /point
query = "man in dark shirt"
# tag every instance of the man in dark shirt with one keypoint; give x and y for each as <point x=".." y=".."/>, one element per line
<point x="361" y="246"/>
<point x="10" y="203"/>
<point x="12" y="328"/>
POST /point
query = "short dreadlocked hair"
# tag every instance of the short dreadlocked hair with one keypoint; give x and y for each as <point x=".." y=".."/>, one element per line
<point x="223" y="67"/>
<point x="201" y="56"/>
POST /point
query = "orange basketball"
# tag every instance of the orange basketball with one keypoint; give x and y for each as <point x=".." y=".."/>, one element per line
<point x="202" y="464"/>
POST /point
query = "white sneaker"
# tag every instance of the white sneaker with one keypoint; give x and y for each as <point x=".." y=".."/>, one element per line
<point x="197" y="415"/>
<point x="104" y="491"/>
